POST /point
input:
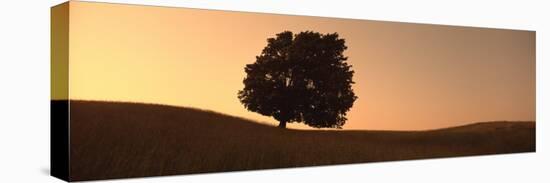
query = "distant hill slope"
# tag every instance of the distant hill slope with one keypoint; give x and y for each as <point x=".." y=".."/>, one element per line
<point x="119" y="140"/>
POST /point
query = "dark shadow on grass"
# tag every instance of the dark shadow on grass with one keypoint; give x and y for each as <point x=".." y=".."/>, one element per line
<point x="317" y="166"/>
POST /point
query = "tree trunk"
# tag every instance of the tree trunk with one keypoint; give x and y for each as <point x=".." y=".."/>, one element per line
<point x="282" y="124"/>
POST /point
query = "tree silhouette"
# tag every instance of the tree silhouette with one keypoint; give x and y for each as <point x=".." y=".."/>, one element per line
<point x="301" y="78"/>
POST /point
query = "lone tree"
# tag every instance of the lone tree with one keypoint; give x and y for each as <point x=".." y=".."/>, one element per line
<point x="301" y="78"/>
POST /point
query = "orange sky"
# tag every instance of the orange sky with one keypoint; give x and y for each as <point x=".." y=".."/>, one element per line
<point x="408" y="76"/>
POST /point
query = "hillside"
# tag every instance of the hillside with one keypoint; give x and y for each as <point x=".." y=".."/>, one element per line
<point x="119" y="140"/>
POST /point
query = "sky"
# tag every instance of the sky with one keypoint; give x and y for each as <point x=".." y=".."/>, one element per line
<point x="408" y="76"/>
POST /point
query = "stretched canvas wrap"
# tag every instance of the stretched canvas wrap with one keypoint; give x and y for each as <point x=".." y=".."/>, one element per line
<point x="149" y="91"/>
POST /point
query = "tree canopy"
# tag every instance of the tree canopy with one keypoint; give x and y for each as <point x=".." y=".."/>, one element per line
<point x="301" y="78"/>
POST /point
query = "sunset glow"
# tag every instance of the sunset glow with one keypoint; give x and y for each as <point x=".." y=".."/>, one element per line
<point x="408" y="76"/>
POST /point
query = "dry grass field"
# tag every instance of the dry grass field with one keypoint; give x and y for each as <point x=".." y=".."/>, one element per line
<point x="120" y="140"/>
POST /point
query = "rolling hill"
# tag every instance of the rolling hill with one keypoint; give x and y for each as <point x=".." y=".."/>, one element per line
<point x="120" y="140"/>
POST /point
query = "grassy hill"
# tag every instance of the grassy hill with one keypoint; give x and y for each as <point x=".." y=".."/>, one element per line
<point x="118" y="140"/>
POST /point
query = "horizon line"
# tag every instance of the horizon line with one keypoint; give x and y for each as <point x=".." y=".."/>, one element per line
<point x="300" y="129"/>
